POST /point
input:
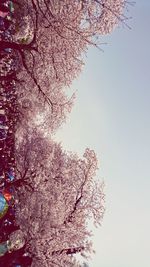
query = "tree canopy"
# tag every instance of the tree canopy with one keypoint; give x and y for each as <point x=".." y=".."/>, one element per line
<point x="56" y="193"/>
<point x="58" y="196"/>
<point x="49" y="39"/>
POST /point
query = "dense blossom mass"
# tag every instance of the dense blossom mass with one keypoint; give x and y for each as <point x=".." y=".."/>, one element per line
<point x="49" y="39"/>
<point x="47" y="196"/>
<point x="64" y="197"/>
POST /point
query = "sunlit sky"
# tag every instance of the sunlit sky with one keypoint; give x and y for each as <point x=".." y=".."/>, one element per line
<point x="111" y="116"/>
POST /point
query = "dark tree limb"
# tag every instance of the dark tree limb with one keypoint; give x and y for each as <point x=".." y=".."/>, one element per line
<point x="68" y="251"/>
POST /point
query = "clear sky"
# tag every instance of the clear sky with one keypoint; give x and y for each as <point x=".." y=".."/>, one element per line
<point x="112" y="116"/>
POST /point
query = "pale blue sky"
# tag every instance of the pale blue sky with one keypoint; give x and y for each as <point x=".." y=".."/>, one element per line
<point x="111" y="115"/>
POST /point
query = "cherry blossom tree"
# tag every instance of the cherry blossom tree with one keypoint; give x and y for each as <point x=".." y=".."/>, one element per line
<point x="49" y="39"/>
<point x="57" y="195"/>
